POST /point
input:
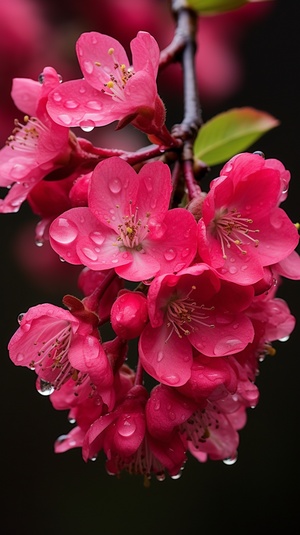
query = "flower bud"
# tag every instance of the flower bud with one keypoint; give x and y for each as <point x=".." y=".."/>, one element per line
<point x="129" y="315"/>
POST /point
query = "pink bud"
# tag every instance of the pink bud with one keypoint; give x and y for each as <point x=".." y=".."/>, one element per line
<point x="129" y="315"/>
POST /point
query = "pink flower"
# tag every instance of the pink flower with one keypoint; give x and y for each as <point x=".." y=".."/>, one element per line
<point x="242" y="229"/>
<point x="59" y="346"/>
<point x="123" y="436"/>
<point x="193" y="309"/>
<point x="207" y="375"/>
<point x="206" y="429"/>
<point x="36" y="147"/>
<point x="111" y="89"/>
<point x="127" y="225"/>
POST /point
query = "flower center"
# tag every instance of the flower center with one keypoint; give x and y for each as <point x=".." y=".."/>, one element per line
<point x="115" y="81"/>
<point x="52" y="358"/>
<point x="184" y="315"/>
<point x="198" y="427"/>
<point x="25" y="137"/>
<point x="133" y="230"/>
<point x="233" y="229"/>
<point x="142" y="462"/>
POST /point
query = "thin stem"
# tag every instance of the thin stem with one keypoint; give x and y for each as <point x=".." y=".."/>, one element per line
<point x="139" y="373"/>
<point x="193" y="188"/>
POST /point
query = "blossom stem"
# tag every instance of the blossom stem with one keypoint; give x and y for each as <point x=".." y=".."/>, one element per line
<point x="139" y="373"/>
<point x="193" y="188"/>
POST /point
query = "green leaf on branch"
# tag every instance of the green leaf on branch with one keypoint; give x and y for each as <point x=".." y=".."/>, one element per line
<point x="214" y="6"/>
<point x="231" y="132"/>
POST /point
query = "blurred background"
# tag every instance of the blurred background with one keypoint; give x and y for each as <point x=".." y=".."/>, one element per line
<point x="248" y="57"/>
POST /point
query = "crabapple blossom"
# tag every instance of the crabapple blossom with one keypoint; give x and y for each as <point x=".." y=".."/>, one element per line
<point x="85" y="409"/>
<point x="242" y="228"/>
<point x="192" y="309"/>
<point x="127" y="225"/>
<point x="112" y="89"/>
<point x="36" y="147"/>
<point x="123" y="436"/>
<point x="59" y="346"/>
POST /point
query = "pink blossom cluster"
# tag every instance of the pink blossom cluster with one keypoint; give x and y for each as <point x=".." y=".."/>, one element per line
<point x="159" y="358"/>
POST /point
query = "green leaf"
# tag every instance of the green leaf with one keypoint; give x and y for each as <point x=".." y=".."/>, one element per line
<point x="214" y="6"/>
<point x="231" y="132"/>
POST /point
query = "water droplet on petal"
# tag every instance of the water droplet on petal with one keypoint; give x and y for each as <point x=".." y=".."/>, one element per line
<point x="230" y="460"/>
<point x="20" y="317"/>
<point x="94" y="105"/>
<point x="160" y="356"/>
<point x="172" y="379"/>
<point x="170" y="254"/>
<point x="227" y="344"/>
<point x="87" y="126"/>
<point x="65" y="118"/>
<point x="57" y="97"/>
<point x="39" y="243"/>
<point x="71" y="104"/>
<point x="177" y="476"/>
<point x="126" y="428"/>
<point x="20" y="357"/>
<point x="88" y="66"/>
<point x="18" y="170"/>
<point x="45" y="389"/>
<point x="161" y="476"/>
<point x="90" y="254"/>
<point x="41" y="78"/>
<point x="185" y="252"/>
<point x="284" y="339"/>
<point x="97" y="237"/>
<point x="157" y="405"/>
<point x="115" y="185"/>
<point x="233" y="270"/>
<point x="64" y="231"/>
<point x="244" y="267"/>
<point x="259" y="153"/>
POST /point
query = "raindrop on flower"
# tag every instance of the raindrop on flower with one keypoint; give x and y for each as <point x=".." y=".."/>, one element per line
<point x="177" y="476"/>
<point x="170" y="254"/>
<point x="64" y="231"/>
<point x="226" y="344"/>
<point x="259" y="153"/>
<point x="115" y="185"/>
<point x="230" y="460"/>
<point x="45" y="389"/>
<point x="20" y="317"/>
<point x="126" y="428"/>
<point x="284" y="339"/>
<point x="87" y="126"/>
<point x="71" y="104"/>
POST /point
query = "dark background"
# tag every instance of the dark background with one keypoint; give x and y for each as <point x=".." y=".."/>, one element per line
<point x="59" y="494"/>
